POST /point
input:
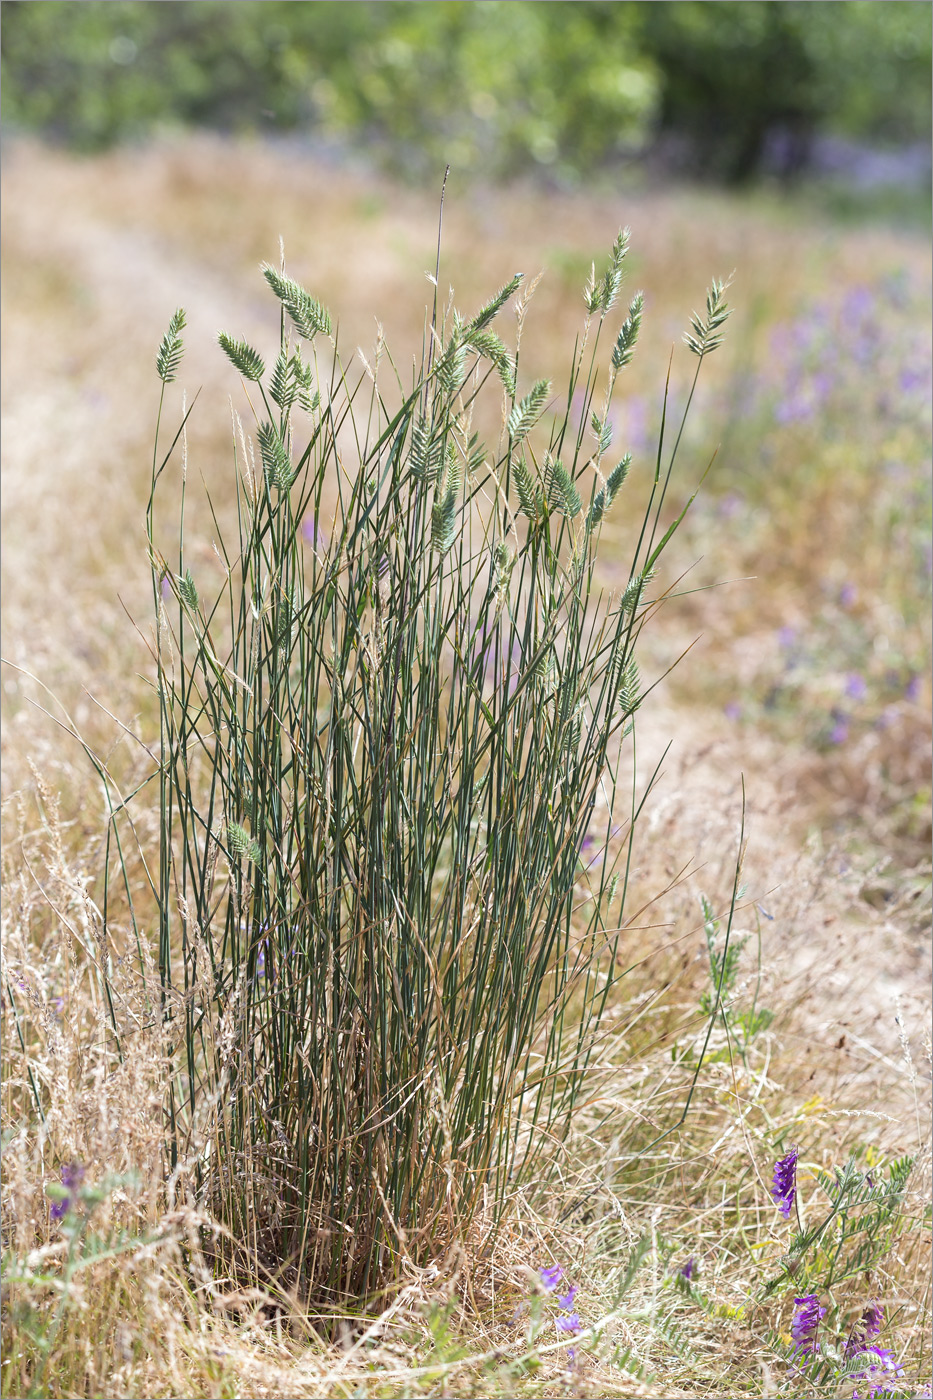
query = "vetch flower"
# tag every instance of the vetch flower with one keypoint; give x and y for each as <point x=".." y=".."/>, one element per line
<point x="868" y="1325"/>
<point x="72" y="1177"/>
<point x="784" y="1189"/>
<point x="856" y="689"/>
<point x="807" y="1317"/>
<point x="879" y="1359"/>
<point x="571" y="1323"/>
<point x="686" y="1271"/>
<point x="565" y="1300"/>
<point x="550" y="1278"/>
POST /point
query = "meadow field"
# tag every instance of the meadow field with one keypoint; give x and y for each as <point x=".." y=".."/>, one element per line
<point x="796" y="606"/>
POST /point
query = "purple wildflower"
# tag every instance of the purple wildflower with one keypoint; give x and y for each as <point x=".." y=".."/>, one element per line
<point x="571" y="1323"/>
<point x="565" y="1300"/>
<point x="687" y="1270"/>
<point x="840" y="730"/>
<point x="912" y="689"/>
<point x="72" y="1177"/>
<point x="732" y="710"/>
<point x="807" y="1317"/>
<point x="784" y="1189"/>
<point x="856" y="689"/>
<point x="879" y="1359"/>
<point x="848" y="594"/>
<point x="550" y="1278"/>
<point x="868" y="1325"/>
<point x="313" y="533"/>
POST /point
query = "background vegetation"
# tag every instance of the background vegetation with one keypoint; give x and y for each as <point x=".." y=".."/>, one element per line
<point x="727" y="89"/>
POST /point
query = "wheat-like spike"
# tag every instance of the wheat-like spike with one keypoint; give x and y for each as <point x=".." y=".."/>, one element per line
<point x="282" y="386"/>
<point x="617" y="476"/>
<point x="488" y="344"/>
<point x="607" y="494"/>
<point x="493" y="307"/>
<point x="624" y="348"/>
<point x="602" y="432"/>
<point x="612" y="278"/>
<point x="243" y="357"/>
<point x="275" y="458"/>
<point x="598" y="508"/>
<point x="453" y="470"/>
<point x="562" y="494"/>
<point x="634" y="592"/>
<point x="704" y="338"/>
<point x="525" y="413"/>
<point x="171" y="350"/>
<point x="443" y="522"/>
<point x="309" y="315"/>
<point x="628" y="695"/>
<point x="503" y="561"/>
<point x="529" y="495"/>
<point x="425" y="453"/>
<point x="452" y="366"/>
<point x="242" y="844"/>
<point x="590" y="295"/>
<point x="476" y="456"/>
<point x="187" y="591"/>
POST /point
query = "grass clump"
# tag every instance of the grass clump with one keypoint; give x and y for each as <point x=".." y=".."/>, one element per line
<point x="382" y="961"/>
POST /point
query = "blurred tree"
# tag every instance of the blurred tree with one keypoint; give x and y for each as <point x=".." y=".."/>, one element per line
<point x="493" y="87"/>
<point x="734" y="74"/>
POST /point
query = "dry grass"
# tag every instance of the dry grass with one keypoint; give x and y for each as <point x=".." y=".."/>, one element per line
<point x="96" y="255"/>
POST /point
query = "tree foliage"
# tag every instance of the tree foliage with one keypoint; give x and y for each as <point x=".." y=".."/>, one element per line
<point x="490" y="86"/>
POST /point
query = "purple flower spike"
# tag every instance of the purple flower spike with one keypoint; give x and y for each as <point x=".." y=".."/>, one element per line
<point x="807" y="1317"/>
<point x="784" y="1189"/>
<point x="688" y="1268"/>
<point x="565" y="1300"/>
<point x="868" y="1325"/>
<point x="872" y="1319"/>
<point x="571" y="1324"/>
<point x="550" y="1278"/>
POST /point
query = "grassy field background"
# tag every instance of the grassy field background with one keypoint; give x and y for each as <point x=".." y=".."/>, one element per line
<point x="809" y="676"/>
